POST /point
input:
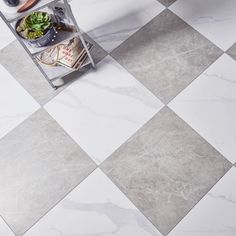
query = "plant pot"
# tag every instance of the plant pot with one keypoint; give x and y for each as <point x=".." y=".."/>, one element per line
<point x="42" y="41"/>
<point x="45" y="39"/>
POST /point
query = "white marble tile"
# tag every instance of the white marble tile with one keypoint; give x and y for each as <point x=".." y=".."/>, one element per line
<point x="4" y="229"/>
<point x="209" y="106"/>
<point x="110" y="23"/>
<point x="103" y="108"/>
<point x="95" y="207"/>
<point x="215" y="214"/>
<point x="6" y="36"/>
<point x="215" y="19"/>
<point x="15" y="103"/>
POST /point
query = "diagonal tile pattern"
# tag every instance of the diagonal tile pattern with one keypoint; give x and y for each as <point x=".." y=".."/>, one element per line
<point x="166" y="42"/>
<point x="167" y="3"/>
<point x="215" y="214"/>
<point x="116" y="20"/>
<point x="165" y="168"/>
<point x="39" y="165"/>
<point x="96" y="202"/>
<point x="103" y="109"/>
<point x="232" y="51"/>
<point x="162" y="160"/>
<point x="15" y="103"/>
<point x="209" y="106"/>
<point x="34" y="82"/>
<point x="4" y="229"/>
<point x="215" y="19"/>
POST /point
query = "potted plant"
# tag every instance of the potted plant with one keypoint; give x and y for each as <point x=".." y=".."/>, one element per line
<point x="37" y="28"/>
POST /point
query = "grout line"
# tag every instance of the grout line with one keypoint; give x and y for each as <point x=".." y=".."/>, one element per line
<point x="181" y="54"/>
<point x="98" y="166"/>
<point x="137" y="31"/>
<point x="200" y="200"/>
<point x="22" y="122"/>
<point x="58" y="202"/>
<point x="199" y="32"/>
<point x="132" y="202"/>
<point x="194" y="130"/>
<point x="212" y="44"/>
<point x="196" y="77"/>
<point x="1" y="217"/>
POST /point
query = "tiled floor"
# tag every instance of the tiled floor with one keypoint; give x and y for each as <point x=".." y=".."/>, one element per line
<point x="209" y="106"/>
<point x="116" y="20"/>
<point x="4" y="229"/>
<point x="16" y="104"/>
<point x="100" y="207"/>
<point x="6" y="35"/>
<point x="218" y="207"/>
<point x="215" y="19"/>
<point x="117" y="107"/>
<point x="144" y="145"/>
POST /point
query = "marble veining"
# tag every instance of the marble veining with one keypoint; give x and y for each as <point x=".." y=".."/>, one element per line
<point x="165" y="169"/>
<point x="103" y="109"/>
<point x="95" y="208"/>
<point x="215" y="214"/>
<point x="209" y="106"/>
<point x="166" y="55"/>
<point x="215" y="19"/>
<point x="39" y="165"/>
<point x="115" y="20"/>
<point x="102" y="155"/>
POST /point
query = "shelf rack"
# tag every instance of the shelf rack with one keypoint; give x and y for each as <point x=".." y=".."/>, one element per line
<point x="51" y="74"/>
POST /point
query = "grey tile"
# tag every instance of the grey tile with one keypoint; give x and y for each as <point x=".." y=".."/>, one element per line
<point x="167" y="3"/>
<point x="18" y="63"/>
<point x="39" y="165"/>
<point x="166" y="55"/>
<point x="97" y="52"/>
<point x="165" y="169"/>
<point x="232" y="51"/>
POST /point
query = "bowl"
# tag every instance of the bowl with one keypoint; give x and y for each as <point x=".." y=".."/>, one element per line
<point x="44" y="40"/>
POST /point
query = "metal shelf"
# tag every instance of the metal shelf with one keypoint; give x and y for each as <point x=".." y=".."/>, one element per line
<point x="53" y="73"/>
<point x="50" y="73"/>
<point x="56" y="72"/>
<point x="16" y="16"/>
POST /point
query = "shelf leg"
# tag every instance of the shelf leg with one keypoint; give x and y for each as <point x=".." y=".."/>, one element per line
<point x="68" y="7"/>
<point x="27" y="50"/>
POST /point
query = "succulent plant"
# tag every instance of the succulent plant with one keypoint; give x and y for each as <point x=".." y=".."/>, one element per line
<point x="34" y="25"/>
<point x="38" y="21"/>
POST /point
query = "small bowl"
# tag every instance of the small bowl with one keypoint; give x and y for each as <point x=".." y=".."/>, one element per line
<point x="12" y="3"/>
<point x="42" y="41"/>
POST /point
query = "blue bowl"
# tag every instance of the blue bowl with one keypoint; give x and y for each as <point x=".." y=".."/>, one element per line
<point x="42" y="41"/>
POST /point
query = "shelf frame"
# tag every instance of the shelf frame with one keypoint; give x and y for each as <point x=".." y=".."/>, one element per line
<point x="32" y="10"/>
<point x="32" y="56"/>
